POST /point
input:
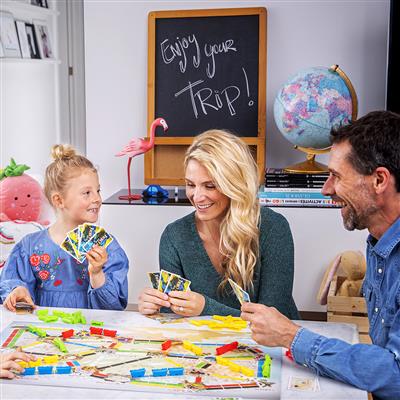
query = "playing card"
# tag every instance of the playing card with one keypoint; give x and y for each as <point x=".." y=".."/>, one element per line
<point x="101" y="238"/>
<point x="154" y="279"/>
<point x="23" y="308"/>
<point x="86" y="232"/>
<point x="164" y="280"/>
<point x="69" y="248"/>
<point x="176" y="282"/>
<point x="74" y="238"/>
<point x="241" y="294"/>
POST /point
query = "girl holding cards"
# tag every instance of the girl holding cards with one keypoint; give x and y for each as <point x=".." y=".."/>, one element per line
<point x="227" y="237"/>
<point x="40" y="272"/>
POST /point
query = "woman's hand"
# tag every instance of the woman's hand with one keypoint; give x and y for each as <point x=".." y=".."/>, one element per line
<point x="187" y="304"/>
<point x="151" y="300"/>
<point x="20" y="293"/>
<point x="8" y="362"/>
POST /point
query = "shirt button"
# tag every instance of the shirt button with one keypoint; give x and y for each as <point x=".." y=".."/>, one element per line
<point x="383" y="321"/>
<point x="380" y="270"/>
<point x="376" y="309"/>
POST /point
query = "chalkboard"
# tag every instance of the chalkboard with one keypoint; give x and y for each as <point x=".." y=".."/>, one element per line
<point x="206" y="70"/>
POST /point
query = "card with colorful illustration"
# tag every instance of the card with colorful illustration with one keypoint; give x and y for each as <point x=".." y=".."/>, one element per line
<point x="86" y="232"/>
<point x="67" y="246"/>
<point x="100" y="238"/>
<point x="241" y="294"/>
<point x="74" y="237"/>
<point x="176" y="282"/>
<point x="154" y="279"/>
<point x="164" y="280"/>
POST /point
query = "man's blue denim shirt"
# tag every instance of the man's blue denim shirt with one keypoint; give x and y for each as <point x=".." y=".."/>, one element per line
<point x="374" y="367"/>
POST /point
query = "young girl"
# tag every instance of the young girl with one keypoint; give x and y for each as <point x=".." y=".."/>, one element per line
<point x="40" y="272"/>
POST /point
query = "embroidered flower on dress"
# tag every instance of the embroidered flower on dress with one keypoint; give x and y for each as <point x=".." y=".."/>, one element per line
<point x="45" y="258"/>
<point x="34" y="259"/>
<point x="44" y="275"/>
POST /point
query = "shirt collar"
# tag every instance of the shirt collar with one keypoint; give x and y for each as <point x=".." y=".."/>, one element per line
<point x="384" y="246"/>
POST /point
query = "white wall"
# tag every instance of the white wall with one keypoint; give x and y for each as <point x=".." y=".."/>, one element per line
<point x="301" y="34"/>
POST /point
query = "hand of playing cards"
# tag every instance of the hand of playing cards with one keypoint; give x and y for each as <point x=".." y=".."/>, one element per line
<point x="166" y="282"/>
<point x="241" y="294"/>
<point x="81" y="239"/>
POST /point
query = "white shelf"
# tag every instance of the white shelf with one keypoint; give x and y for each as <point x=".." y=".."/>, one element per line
<point x="26" y="9"/>
<point x="29" y="61"/>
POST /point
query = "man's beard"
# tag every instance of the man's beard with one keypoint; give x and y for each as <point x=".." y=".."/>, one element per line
<point x="358" y="220"/>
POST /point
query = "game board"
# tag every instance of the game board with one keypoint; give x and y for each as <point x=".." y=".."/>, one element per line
<point x="144" y="359"/>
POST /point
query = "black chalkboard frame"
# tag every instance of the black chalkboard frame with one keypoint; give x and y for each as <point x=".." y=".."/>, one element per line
<point x="164" y="163"/>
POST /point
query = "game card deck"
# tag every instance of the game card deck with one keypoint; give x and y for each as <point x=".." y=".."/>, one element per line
<point x="23" y="308"/>
<point x="166" y="281"/>
<point x="241" y="294"/>
<point x="81" y="239"/>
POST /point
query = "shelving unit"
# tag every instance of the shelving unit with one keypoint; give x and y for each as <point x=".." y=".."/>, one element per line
<point x="30" y="92"/>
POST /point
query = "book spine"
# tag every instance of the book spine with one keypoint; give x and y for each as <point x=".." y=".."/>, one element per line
<point x="283" y="201"/>
<point x="281" y="173"/>
<point x="290" y="189"/>
<point x="292" y="195"/>
<point x="297" y="177"/>
<point x="294" y="185"/>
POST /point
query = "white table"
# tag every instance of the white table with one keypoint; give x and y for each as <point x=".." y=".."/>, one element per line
<point x="329" y="389"/>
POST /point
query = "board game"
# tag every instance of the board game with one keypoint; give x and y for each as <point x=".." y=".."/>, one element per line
<point x="155" y="359"/>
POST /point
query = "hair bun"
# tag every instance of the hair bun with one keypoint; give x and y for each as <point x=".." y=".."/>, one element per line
<point x="62" y="152"/>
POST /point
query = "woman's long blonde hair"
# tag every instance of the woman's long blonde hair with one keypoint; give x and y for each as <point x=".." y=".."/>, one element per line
<point x="66" y="164"/>
<point x="232" y="168"/>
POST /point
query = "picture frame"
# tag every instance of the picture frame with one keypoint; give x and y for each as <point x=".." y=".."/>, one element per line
<point x="23" y="39"/>
<point x="39" y="3"/>
<point x="43" y="40"/>
<point x="8" y="35"/>
<point x="32" y="42"/>
<point x="1" y="50"/>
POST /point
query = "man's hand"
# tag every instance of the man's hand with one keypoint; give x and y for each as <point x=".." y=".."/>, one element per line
<point x="20" y="293"/>
<point x="151" y="300"/>
<point x="187" y="304"/>
<point x="268" y="326"/>
<point x="8" y="363"/>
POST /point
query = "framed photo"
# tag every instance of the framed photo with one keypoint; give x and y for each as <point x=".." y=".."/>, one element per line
<point x="43" y="39"/>
<point x="39" y="3"/>
<point x="1" y="50"/>
<point x="23" y="39"/>
<point x="8" y="35"/>
<point x="32" y="42"/>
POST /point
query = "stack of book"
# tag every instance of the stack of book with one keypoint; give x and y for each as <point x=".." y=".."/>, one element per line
<point x="290" y="189"/>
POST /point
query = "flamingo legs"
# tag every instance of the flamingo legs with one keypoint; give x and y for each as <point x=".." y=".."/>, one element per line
<point x="130" y="196"/>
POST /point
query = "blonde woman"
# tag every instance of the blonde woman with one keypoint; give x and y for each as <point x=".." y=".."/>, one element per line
<point x="227" y="236"/>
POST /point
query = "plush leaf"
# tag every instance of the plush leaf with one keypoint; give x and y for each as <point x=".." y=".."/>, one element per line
<point x="13" y="169"/>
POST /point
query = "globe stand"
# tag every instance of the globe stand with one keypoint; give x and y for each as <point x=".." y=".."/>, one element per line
<point x="310" y="165"/>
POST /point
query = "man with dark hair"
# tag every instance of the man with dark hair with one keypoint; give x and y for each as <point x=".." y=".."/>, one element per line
<point x="364" y="179"/>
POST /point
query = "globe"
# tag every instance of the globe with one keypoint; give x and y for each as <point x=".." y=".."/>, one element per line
<point x="310" y="103"/>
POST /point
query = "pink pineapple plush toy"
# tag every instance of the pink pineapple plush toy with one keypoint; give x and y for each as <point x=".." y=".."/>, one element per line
<point x="21" y="196"/>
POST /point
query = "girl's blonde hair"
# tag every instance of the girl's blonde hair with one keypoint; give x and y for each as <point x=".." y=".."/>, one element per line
<point x="233" y="170"/>
<point x="66" y="165"/>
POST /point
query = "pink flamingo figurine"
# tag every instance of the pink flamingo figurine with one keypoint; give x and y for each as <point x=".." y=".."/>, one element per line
<point x="138" y="146"/>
